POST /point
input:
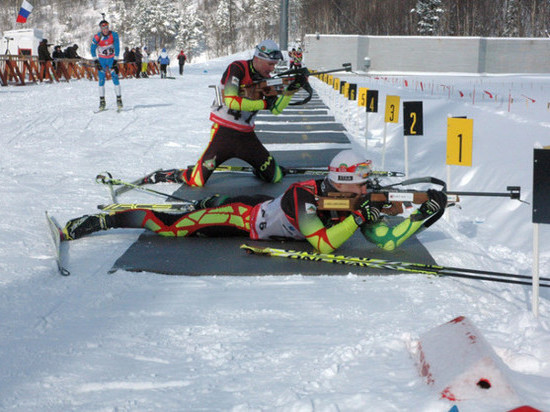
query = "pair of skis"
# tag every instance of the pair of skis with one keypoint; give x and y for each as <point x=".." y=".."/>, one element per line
<point x="421" y="268"/>
<point x="123" y="187"/>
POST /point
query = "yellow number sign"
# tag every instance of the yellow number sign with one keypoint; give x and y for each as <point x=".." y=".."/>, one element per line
<point x="336" y="83"/>
<point x="362" y="97"/>
<point x="392" y="109"/>
<point x="460" y="139"/>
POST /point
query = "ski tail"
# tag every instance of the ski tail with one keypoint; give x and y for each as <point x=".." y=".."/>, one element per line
<point x="57" y="237"/>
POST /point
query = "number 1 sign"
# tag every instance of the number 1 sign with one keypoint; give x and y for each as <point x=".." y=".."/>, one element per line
<point x="460" y="133"/>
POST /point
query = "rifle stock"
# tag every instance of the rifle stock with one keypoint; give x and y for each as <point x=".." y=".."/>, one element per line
<point x="393" y="200"/>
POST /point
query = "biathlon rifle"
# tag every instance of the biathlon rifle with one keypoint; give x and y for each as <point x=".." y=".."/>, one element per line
<point x="395" y="199"/>
<point x="277" y="84"/>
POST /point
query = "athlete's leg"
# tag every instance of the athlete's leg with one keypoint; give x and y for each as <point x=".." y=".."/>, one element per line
<point x="219" y="149"/>
<point x="265" y="165"/>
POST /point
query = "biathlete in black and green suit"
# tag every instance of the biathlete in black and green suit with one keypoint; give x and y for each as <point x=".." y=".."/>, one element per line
<point x="293" y="215"/>
<point x="232" y="134"/>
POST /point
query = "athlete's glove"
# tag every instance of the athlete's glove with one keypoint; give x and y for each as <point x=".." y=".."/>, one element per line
<point x="97" y="65"/>
<point x="436" y="202"/>
<point x="299" y="81"/>
<point x="270" y="102"/>
<point x="368" y="212"/>
<point x="114" y="66"/>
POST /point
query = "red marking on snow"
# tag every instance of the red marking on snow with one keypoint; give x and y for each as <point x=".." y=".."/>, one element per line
<point x="446" y="393"/>
<point x="528" y="98"/>
<point x="425" y="366"/>
<point x="461" y="94"/>
<point x="406" y="83"/>
<point x="457" y="320"/>
<point x="488" y="94"/>
<point x="421" y="86"/>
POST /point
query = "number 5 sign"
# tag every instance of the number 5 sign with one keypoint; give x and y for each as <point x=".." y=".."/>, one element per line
<point x="460" y="133"/>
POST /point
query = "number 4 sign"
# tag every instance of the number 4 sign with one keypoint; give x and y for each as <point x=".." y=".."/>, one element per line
<point x="460" y="133"/>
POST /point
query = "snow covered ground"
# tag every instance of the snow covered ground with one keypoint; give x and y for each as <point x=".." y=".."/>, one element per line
<point x="127" y="341"/>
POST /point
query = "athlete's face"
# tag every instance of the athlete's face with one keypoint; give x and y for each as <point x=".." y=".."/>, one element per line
<point x="264" y="67"/>
<point x="105" y="29"/>
<point x="357" y="188"/>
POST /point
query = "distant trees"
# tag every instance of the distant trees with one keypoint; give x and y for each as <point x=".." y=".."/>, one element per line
<point x="219" y="27"/>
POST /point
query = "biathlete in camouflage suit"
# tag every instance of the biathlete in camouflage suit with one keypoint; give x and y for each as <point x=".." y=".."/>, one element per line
<point x="293" y="215"/>
<point x="105" y="50"/>
<point x="232" y="134"/>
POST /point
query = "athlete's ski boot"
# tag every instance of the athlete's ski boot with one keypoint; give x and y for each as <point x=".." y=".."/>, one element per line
<point x="165" y="176"/>
<point x="119" y="103"/>
<point x="102" y="103"/>
<point x="210" y="201"/>
<point x="85" y="225"/>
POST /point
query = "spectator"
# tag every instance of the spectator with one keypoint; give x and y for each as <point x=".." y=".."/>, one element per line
<point x="57" y="54"/>
<point x="144" y="62"/>
<point x="182" y="58"/>
<point x="126" y="54"/>
<point x="139" y="59"/>
<point x="43" y="52"/>
<point x="164" y="61"/>
<point x="70" y="52"/>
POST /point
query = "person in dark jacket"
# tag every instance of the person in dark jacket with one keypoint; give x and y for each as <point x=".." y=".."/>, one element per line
<point x="57" y="54"/>
<point x="139" y="59"/>
<point x="182" y="58"/>
<point x="71" y="52"/>
<point x="43" y="52"/>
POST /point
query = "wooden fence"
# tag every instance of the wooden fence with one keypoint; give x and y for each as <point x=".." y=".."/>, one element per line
<point x="21" y="70"/>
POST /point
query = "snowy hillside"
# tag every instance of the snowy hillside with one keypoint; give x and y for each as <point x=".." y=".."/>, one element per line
<point x="127" y="341"/>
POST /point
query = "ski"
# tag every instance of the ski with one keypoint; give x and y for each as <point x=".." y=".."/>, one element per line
<point x="180" y="207"/>
<point x="57" y="239"/>
<point x="126" y="188"/>
<point x="100" y="111"/>
<point x="300" y="170"/>
<point x="421" y="268"/>
<point x="107" y="179"/>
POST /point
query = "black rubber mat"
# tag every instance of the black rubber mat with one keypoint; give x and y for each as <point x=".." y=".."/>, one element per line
<point x="313" y="137"/>
<point x="291" y="118"/>
<point x="222" y="256"/>
<point x="299" y="127"/>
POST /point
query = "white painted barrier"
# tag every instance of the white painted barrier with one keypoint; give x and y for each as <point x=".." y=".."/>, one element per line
<point x="461" y="365"/>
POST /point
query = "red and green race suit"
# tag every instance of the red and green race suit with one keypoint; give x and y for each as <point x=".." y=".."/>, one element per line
<point x="232" y="134"/>
<point x="293" y="215"/>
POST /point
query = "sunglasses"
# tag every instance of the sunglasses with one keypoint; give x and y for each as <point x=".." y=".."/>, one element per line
<point x="270" y="54"/>
<point x="363" y="168"/>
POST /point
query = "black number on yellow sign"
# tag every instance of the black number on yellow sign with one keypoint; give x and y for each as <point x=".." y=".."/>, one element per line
<point x="392" y="109"/>
<point x="459" y="141"/>
<point x="413" y="124"/>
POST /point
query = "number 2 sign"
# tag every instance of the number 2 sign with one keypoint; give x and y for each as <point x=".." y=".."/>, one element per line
<point x="460" y="133"/>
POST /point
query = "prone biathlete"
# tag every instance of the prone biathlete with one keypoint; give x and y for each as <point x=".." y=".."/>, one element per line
<point x="292" y="215"/>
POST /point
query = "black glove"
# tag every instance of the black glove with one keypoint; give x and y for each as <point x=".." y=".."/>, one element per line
<point x="437" y="201"/>
<point x="114" y="66"/>
<point x="97" y="65"/>
<point x="299" y="81"/>
<point x="270" y="102"/>
<point x="368" y="212"/>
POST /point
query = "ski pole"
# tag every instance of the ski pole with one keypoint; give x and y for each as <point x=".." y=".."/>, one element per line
<point x="108" y="180"/>
<point x="393" y="265"/>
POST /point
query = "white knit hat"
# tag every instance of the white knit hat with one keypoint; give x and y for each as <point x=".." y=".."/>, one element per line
<point x="268" y="50"/>
<point x="348" y="167"/>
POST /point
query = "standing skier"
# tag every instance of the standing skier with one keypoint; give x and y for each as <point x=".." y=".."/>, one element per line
<point x="105" y="49"/>
<point x="232" y="134"/>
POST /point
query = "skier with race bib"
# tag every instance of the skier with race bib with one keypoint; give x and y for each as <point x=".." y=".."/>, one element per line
<point x="293" y="215"/>
<point x="105" y="50"/>
<point x="232" y="134"/>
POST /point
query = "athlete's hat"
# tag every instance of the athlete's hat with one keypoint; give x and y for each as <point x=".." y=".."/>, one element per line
<point x="268" y="50"/>
<point x="348" y="167"/>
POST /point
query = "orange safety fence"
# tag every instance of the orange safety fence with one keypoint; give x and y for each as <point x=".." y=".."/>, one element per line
<point x="21" y="70"/>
